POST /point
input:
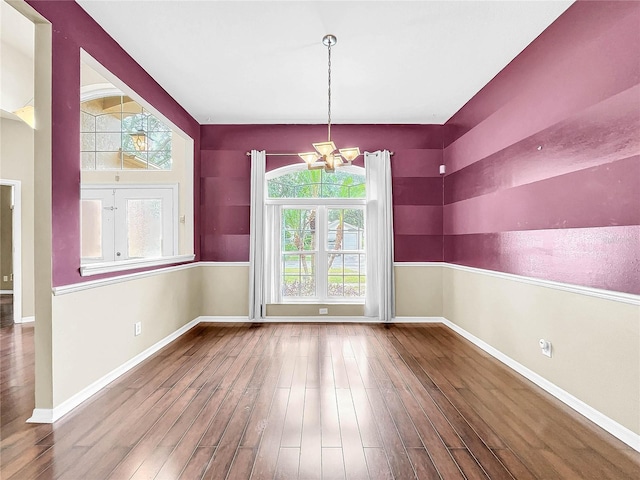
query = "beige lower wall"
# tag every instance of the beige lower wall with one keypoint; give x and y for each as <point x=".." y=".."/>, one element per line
<point x="596" y="341"/>
<point x="226" y="293"/>
<point x="94" y="329"/>
<point x="225" y="290"/>
<point x="16" y="163"/>
<point x="418" y="290"/>
<point x="313" y="310"/>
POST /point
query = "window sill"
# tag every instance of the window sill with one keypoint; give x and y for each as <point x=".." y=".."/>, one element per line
<point x="315" y="301"/>
<point x="109" y="267"/>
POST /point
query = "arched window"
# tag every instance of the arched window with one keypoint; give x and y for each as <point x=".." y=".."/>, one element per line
<point x="316" y="226"/>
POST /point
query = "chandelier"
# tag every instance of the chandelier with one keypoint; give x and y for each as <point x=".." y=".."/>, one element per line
<point x="325" y="155"/>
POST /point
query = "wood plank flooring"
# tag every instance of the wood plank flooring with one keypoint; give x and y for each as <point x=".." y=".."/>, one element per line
<point x="6" y="310"/>
<point x="307" y="401"/>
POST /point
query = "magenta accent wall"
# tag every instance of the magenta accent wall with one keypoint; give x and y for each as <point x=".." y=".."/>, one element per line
<point x="543" y="164"/>
<point x="73" y="29"/>
<point x="225" y="181"/>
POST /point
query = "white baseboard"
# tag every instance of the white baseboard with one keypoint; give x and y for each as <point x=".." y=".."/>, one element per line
<point x="43" y="415"/>
<point x="614" y="428"/>
<point x="632" y="439"/>
<point x="32" y="318"/>
<point x="222" y="319"/>
<point x="317" y="319"/>
<point x="418" y="320"/>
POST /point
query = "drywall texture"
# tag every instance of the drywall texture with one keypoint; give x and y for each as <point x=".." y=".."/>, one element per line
<point x="313" y="310"/>
<point x="595" y="341"/>
<point x="94" y="331"/>
<point x="74" y="29"/>
<point x="225" y="293"/>
<point x="546" y="180"/>
<point x="543" y="180"/>
<point x="16" y="163"/>
<point x="225" y="290"/>
<point x="418" y="290"/>
<point x="226" y="174"/>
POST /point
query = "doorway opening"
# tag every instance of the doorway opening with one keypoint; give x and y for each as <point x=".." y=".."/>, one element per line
<point x="10" y="253"/>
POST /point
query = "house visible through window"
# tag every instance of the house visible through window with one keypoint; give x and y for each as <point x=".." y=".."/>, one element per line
<point x="316" y="220"/>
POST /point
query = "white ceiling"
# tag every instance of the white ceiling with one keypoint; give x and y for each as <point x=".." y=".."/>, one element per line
<point x="263" y="61"/>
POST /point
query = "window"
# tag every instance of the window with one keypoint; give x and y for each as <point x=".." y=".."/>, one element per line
<point x="317" y="224"/>
<point x="136" y="173"/>
<point x="122" y="223"/>
<point x="117" y="133"/>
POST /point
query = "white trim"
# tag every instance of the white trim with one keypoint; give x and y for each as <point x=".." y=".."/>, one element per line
<point x="419" y="264"/>
<point x="41" y="415"/>
<point x="224" y="319"/>
<point x="224" y="264"/>
<point x="317" y="319"/>
<point x="98" y="90"/>
<point x="77" y="287"/>
<point x="632" y="439"/>
<point x="567" y="287"/>
<point x="29" y="319"/>
<point x="418" y="320"/>
<point x="331" y="202"/>
<point x="110" y="267"/>
<point x="614" y="428"/>
<point x="280" y="171"/>
<point x="16" y="240"/>
<point x="6" y="292"/>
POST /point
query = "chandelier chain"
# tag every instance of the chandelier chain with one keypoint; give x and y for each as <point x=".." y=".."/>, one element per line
<point x="329" y="96"/>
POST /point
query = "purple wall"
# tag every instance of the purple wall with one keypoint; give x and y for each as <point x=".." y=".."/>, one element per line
<point x="225" y="181"/>
<point x="73" y="29"/>
<point x="570" y="211"/>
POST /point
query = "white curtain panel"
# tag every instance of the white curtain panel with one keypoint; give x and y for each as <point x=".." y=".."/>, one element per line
<point x="379" y="299"/>
<point x="272" y="260"/>
<point x="256" y="244"/>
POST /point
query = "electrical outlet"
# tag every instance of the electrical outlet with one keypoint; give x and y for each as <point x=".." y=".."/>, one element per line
<point x="138" y="328"/>
<point x="324" y="311"/>
<point x="5" y="278"/>
<point x="545" y="346"/>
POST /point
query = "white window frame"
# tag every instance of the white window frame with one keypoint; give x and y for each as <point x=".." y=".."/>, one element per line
<point x="322" y="277"/>
<point x="114" y="239"/>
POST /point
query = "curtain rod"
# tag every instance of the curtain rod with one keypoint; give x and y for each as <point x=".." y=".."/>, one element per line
<point x="248" y="154"/>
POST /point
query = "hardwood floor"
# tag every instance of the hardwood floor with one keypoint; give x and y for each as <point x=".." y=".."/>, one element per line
<point x="305" y="401"/>
<point x="6" y="310"/>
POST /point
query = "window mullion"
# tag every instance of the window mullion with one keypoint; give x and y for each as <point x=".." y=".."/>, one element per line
<point x="321" y="245"/>
<point x="120" y="232"/>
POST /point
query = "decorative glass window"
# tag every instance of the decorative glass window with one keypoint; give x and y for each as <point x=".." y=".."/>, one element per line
<point x="317" y="221"/>
<point x="130" y="222"/>
<point x="117" y="133"/>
